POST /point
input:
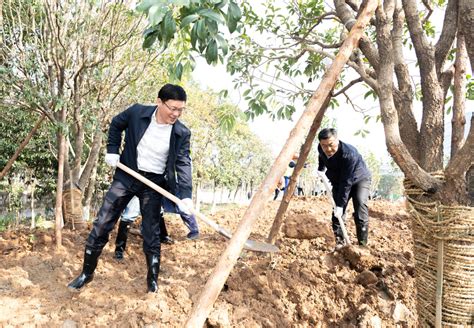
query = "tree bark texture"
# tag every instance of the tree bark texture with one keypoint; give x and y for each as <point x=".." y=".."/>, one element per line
<point x="458" y="121"/>
<point x="466" y="24"/>
<point x="396" y="147"/>
<point x="432" y="122"/>
<point x="227" y="260"/>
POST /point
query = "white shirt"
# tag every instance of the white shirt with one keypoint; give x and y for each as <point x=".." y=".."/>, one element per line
<point x="153" y="148"/>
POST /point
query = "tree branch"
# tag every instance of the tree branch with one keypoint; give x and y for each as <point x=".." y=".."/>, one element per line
<point x="447" y="34"/>
<point x="463" y="158"/>
<point x="404" y="95"/>
<point x="347" y="87"/>
<point x="422" y="47"/>
<point x="348" y="19"/>
<point x="395" y="145"/>
<point x="432" y="123"/>
<point x="459" y="119"/>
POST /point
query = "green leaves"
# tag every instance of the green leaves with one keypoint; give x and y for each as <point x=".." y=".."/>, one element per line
<point x="189" y="19"/>
<point x="233" y="16"/>
<point x="470" y="87"/>
<point x="211" y="15"/>
<point x="196" y="22"/>
<point x="211" y="52"/>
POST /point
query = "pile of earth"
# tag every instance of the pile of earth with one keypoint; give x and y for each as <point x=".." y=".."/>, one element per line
<point x="306" y="284"/>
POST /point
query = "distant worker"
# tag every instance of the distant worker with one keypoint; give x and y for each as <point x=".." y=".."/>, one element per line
<point x="289" y="171"/>
<point x="279" y="187"/>
<point x="350" y="178"/>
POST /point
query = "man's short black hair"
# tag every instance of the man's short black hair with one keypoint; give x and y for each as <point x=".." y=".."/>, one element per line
<point x="172" y="92"/>
<point x="327" y="133"/>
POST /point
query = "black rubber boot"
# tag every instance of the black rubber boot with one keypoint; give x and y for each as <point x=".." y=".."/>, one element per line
<point x="362" y="235"/>
<point x="91" y="258"/>
<point x="121" y="240"/>
<point x="153" y="264"/>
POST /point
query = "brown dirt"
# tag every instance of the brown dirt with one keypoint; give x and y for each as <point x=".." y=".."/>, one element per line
<point x="304" y="285"/>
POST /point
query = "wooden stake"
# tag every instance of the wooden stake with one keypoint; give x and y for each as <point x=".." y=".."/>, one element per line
<point x="229" y="257"/>
<point x="303" y="155"/>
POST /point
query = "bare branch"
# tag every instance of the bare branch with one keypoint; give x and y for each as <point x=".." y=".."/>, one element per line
<point x="448" y="34"/>
<point x="359" y="69"/>
<point x="459" y="119"/>
<point x="424" y="50"/>
<point x="348" y="19"/>
<point x="347" y="87"/>
<point x="430" y="11"/>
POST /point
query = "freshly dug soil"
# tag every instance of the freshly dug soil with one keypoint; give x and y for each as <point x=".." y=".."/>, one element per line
<point x="306" y="284"/>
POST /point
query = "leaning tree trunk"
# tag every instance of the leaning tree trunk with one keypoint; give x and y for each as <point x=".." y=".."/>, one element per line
<point x="215" y="282"/>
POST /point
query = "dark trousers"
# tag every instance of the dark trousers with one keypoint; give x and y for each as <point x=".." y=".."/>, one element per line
<point x="116" y="199"/>
<point x="189" y="221"/>
<point x="360" y="198"/>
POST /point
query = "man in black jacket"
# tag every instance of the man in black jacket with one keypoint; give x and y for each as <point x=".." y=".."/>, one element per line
<point x="350" y="178"/>
<point x="156" y="146"/>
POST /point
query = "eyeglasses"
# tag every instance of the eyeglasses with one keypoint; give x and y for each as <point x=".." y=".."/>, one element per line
<point x="175" y="110"/>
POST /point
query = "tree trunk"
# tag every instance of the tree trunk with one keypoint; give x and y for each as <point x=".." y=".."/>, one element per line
<point x="459" y="119"/>
<point x="89" y="192"/>
<point x="454" y="190"/>
<point x="215" y="282"/>
<point x="214" y="198"/>
<point x="32" y="204"/>
<point x="58" y="213"/>
<point x="22" y="146"/>
<point x="92" y="159"/>
<point x="466" y="24"/>
<point x="396" y="147"/>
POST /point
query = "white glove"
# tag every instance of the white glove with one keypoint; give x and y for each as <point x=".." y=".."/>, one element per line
<point x="338" y="212"/>
<point x="321" y="174"/>
<point x="186" y="205"/>
<point x="112" y="159"/>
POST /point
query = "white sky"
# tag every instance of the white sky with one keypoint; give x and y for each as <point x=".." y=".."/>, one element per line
<point x="275" y="133"/>
<point x="347" y="120"/>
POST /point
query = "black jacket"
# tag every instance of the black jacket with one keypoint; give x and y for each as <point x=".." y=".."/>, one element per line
<point x="134" y="121"/>
<point x="344" y="169"/>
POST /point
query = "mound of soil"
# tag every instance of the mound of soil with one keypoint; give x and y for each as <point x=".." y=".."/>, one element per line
<point x="306" y="284"/>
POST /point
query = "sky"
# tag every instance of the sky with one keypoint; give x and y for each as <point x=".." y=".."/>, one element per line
<point x="275" y="133"/>
<point x="346" y="119"/>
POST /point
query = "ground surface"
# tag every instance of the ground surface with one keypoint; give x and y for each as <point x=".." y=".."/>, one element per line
<point x="304" y="285"/>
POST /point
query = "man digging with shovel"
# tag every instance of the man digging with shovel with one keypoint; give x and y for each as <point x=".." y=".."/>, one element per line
<point x="157" y="146"/>
<point x="342" y="164"/>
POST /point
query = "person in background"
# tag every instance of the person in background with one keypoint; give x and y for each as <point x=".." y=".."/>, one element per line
<point x="350" y="178"/>
<point x="289" y="171"/>
<point x="130" y="214"/>
<point x="279" y="187"/>
<point x="157" y="146"/>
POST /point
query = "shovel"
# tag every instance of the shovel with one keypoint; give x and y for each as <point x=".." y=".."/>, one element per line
<point x="250" y="245"/>
<point x="341" y="221"/>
